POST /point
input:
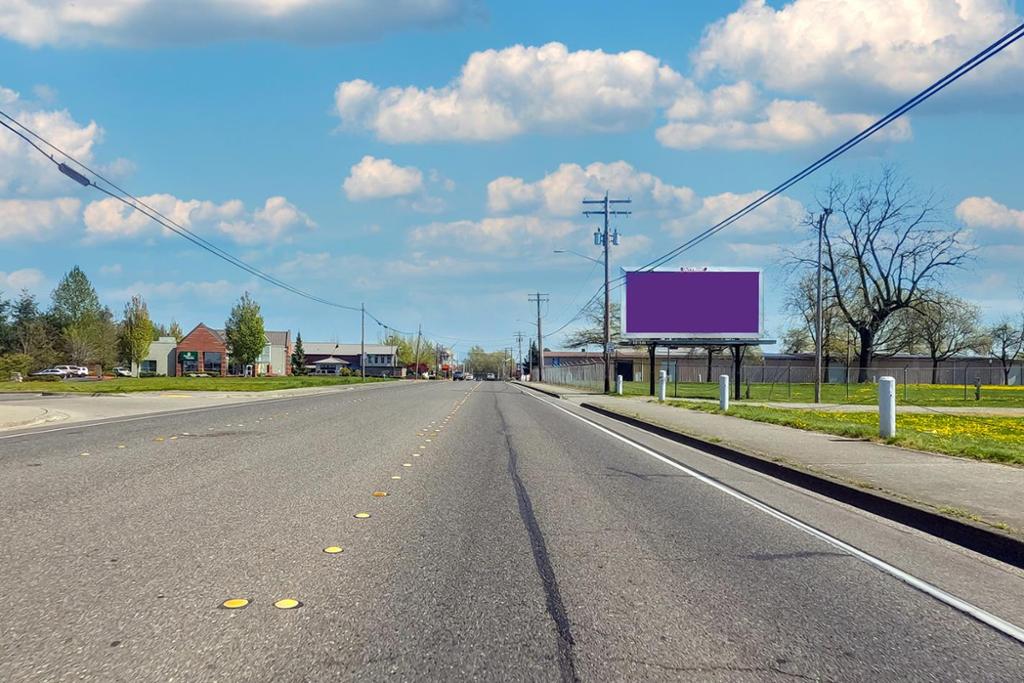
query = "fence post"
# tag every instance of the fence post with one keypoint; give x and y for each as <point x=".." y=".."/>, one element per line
<point x="662" y="385"/>
<point x="789" y="381"/>
<point x="886" y="407"/>
<point x="723" y="392"/>
<point x="906" y="398"/>
<point x="618" y="385"/>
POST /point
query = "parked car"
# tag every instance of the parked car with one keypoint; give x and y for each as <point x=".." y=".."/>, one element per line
<point x="121" y="371"/>
<point x="48" y="372"/>
<point x="72" y="370"/>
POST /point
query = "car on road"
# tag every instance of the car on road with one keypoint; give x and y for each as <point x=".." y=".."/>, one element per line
<point x="122" y="371"/>
<point x="459" y="376"/>
<point x="469" y="376"/>
<point x="48" y="372"/>
<point x="491" y="377"/>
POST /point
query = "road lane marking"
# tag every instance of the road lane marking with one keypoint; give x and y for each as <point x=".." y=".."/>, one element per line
<point x="235" y="603"/>
<point x="1005" y="627"/>
<point x="379" y="494"/>
<point x="287" y="603"/>
<point x="333" y="549"/>
<point x="362" y="515"/>
<point x="406" y="464"/>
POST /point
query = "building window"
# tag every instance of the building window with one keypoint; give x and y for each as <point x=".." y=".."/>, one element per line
<point x="148" y="366"/>
<point x="211" y="362"/>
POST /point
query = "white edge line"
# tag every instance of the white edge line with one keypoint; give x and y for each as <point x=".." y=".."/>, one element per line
<point x="1001" y="625"/>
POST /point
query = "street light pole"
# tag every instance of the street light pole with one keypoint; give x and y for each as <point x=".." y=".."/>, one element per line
<point x="362" y="340"/>
<point x="822" y="220"/>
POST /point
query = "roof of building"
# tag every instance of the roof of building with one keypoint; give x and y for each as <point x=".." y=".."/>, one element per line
<point x="331" y="360"/>
<point x="322" y="348"/>
<point x="274" y="338"/>
<point x="219" y="334"/>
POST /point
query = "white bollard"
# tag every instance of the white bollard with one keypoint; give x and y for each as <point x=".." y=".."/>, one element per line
<point x="886" y="407"/>
<point x="723" y="392"/>
<point x="618" y="385"/>
<point x="661" y="385"/>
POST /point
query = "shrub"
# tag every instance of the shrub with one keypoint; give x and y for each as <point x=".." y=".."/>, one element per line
<point x="43" y="378"/>
<point x="11" y="363"/>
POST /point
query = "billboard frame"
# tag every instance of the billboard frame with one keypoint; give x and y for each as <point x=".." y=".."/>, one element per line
<point x="724" y="338"/>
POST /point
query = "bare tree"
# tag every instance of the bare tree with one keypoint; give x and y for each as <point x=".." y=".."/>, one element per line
<point x="944" y="326"/>
<point x="883" y="245"/>
<point x="801" y="302"/>
<point x="1006" y="341"/>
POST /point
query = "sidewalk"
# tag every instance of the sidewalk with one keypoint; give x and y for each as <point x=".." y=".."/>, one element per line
<point x="957" y="487"/>
<point x="20" y="416"/>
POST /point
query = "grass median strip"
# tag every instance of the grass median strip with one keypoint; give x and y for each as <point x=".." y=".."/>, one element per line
<point x="999" y="439"/>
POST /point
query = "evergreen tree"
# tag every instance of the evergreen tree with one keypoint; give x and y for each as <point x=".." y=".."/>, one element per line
<point x="298" y="357"/>
<point x="136" y="333"/>
<point x="74" y="299"/>
<point x="7" y="338"/>
<point x="244" y="331"/>
<point x="33" y="335"/>
<point x="175" y="330"/>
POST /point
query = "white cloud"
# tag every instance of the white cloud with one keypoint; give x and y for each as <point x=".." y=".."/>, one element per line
<point x="985" y="212"/>
<point x="779" y="215"/>
<point x="24" y="172"/>
<point x="678" y="207"/>
<point x="495" y="233"/>
<point x="374" y="178"/>
<point x="112" y="269"/>
<point x="36" y="219"/>
<point x="17" y="280"/>
<point x="173" y="290"/>
<point x="276" y="220"/>
<point x="148" y="22"/>
<point x="781" y="124"/>
<point x="830" y="47"/>
<point x="502" y="93"/>
<point x="560" y="192"/>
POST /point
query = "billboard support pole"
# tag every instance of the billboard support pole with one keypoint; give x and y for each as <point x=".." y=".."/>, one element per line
<point x="652" y="351"/>
<point x="737" y="358"/>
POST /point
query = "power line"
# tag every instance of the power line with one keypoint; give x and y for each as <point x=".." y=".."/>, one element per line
<point x="954" y="75"/>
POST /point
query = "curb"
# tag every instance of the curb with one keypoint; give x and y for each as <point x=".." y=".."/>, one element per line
<point x="538" y="389"/>
<point x="980" y="539"/>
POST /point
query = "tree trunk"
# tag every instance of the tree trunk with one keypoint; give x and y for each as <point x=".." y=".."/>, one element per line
<point x="1007" y="365"/>
<point x="935" y="370"/>
<point x="710" y="354"/>
<point x="867" y="354"/>
<point x="825" y="368"/>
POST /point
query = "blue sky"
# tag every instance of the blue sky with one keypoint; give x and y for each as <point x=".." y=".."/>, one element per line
<point x="426" y="158"/>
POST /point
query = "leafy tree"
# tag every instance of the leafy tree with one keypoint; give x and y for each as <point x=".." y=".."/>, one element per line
<point x="174" y="330"/>
<point x="481" y="361"/>
<point x="33" y="333"/>
<point x="74" y="299"/>
<point x="944" y="326"/>
<point x="11" y="363"/>
<point x="298" y="356"/>
<point x="92" y="339"/>
<point x="244" y="331"/>
<point x="797" y="340"/>
<point x="1005" y="342"/>
<point x="593" y="334"/>
<point x="404" y="348"/>
<point x="136" y="333"/>
<point x="888" y="247"/>
<point x="7" y="336"/>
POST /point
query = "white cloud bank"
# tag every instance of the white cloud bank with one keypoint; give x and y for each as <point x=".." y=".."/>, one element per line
<point x="148" y="22"/>
<point x="17" y="280"/>
<point x="36" y="219"/>
<point x="500" y="94"/>
<point x="277" y="220"/>
<point x="829" y="47"/>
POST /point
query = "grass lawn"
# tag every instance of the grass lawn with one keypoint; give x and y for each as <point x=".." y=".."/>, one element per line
<point x="981" y="437"/>
<point x="867" y="394"/>
<point x="130" y="384"/>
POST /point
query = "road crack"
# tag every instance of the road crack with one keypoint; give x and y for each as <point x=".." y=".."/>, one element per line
<point x="555" y="606"/>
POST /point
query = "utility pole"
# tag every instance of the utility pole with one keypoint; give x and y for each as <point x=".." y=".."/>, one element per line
<point x="416" y="361"/>
<point x="822" y="221"/>
<point x="519" y="361"/>
<point x="539" y="298"/>
<point x="362" y="340"/>
<point x="605" y="240"/>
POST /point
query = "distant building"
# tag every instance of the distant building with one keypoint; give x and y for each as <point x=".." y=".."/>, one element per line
<point x="160" y="358"/>
<point x="204" y="351"/>
<point x="380" y="358"/>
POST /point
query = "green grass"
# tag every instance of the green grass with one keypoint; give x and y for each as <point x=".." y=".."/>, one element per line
<point x="999" y="439"/>
<point x="862" y="394"/>
<point x="132" y="384"/>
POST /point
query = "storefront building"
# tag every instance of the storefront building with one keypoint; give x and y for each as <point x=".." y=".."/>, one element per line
<point x="202" y="351"/>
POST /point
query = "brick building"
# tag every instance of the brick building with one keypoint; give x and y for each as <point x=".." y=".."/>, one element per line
<point x="203" y="350"/>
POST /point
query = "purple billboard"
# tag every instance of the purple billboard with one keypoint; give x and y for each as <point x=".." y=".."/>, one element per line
<point x="698" y="304"/>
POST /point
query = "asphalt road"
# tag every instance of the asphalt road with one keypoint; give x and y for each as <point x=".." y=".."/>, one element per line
<point x="520" y="543"/>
